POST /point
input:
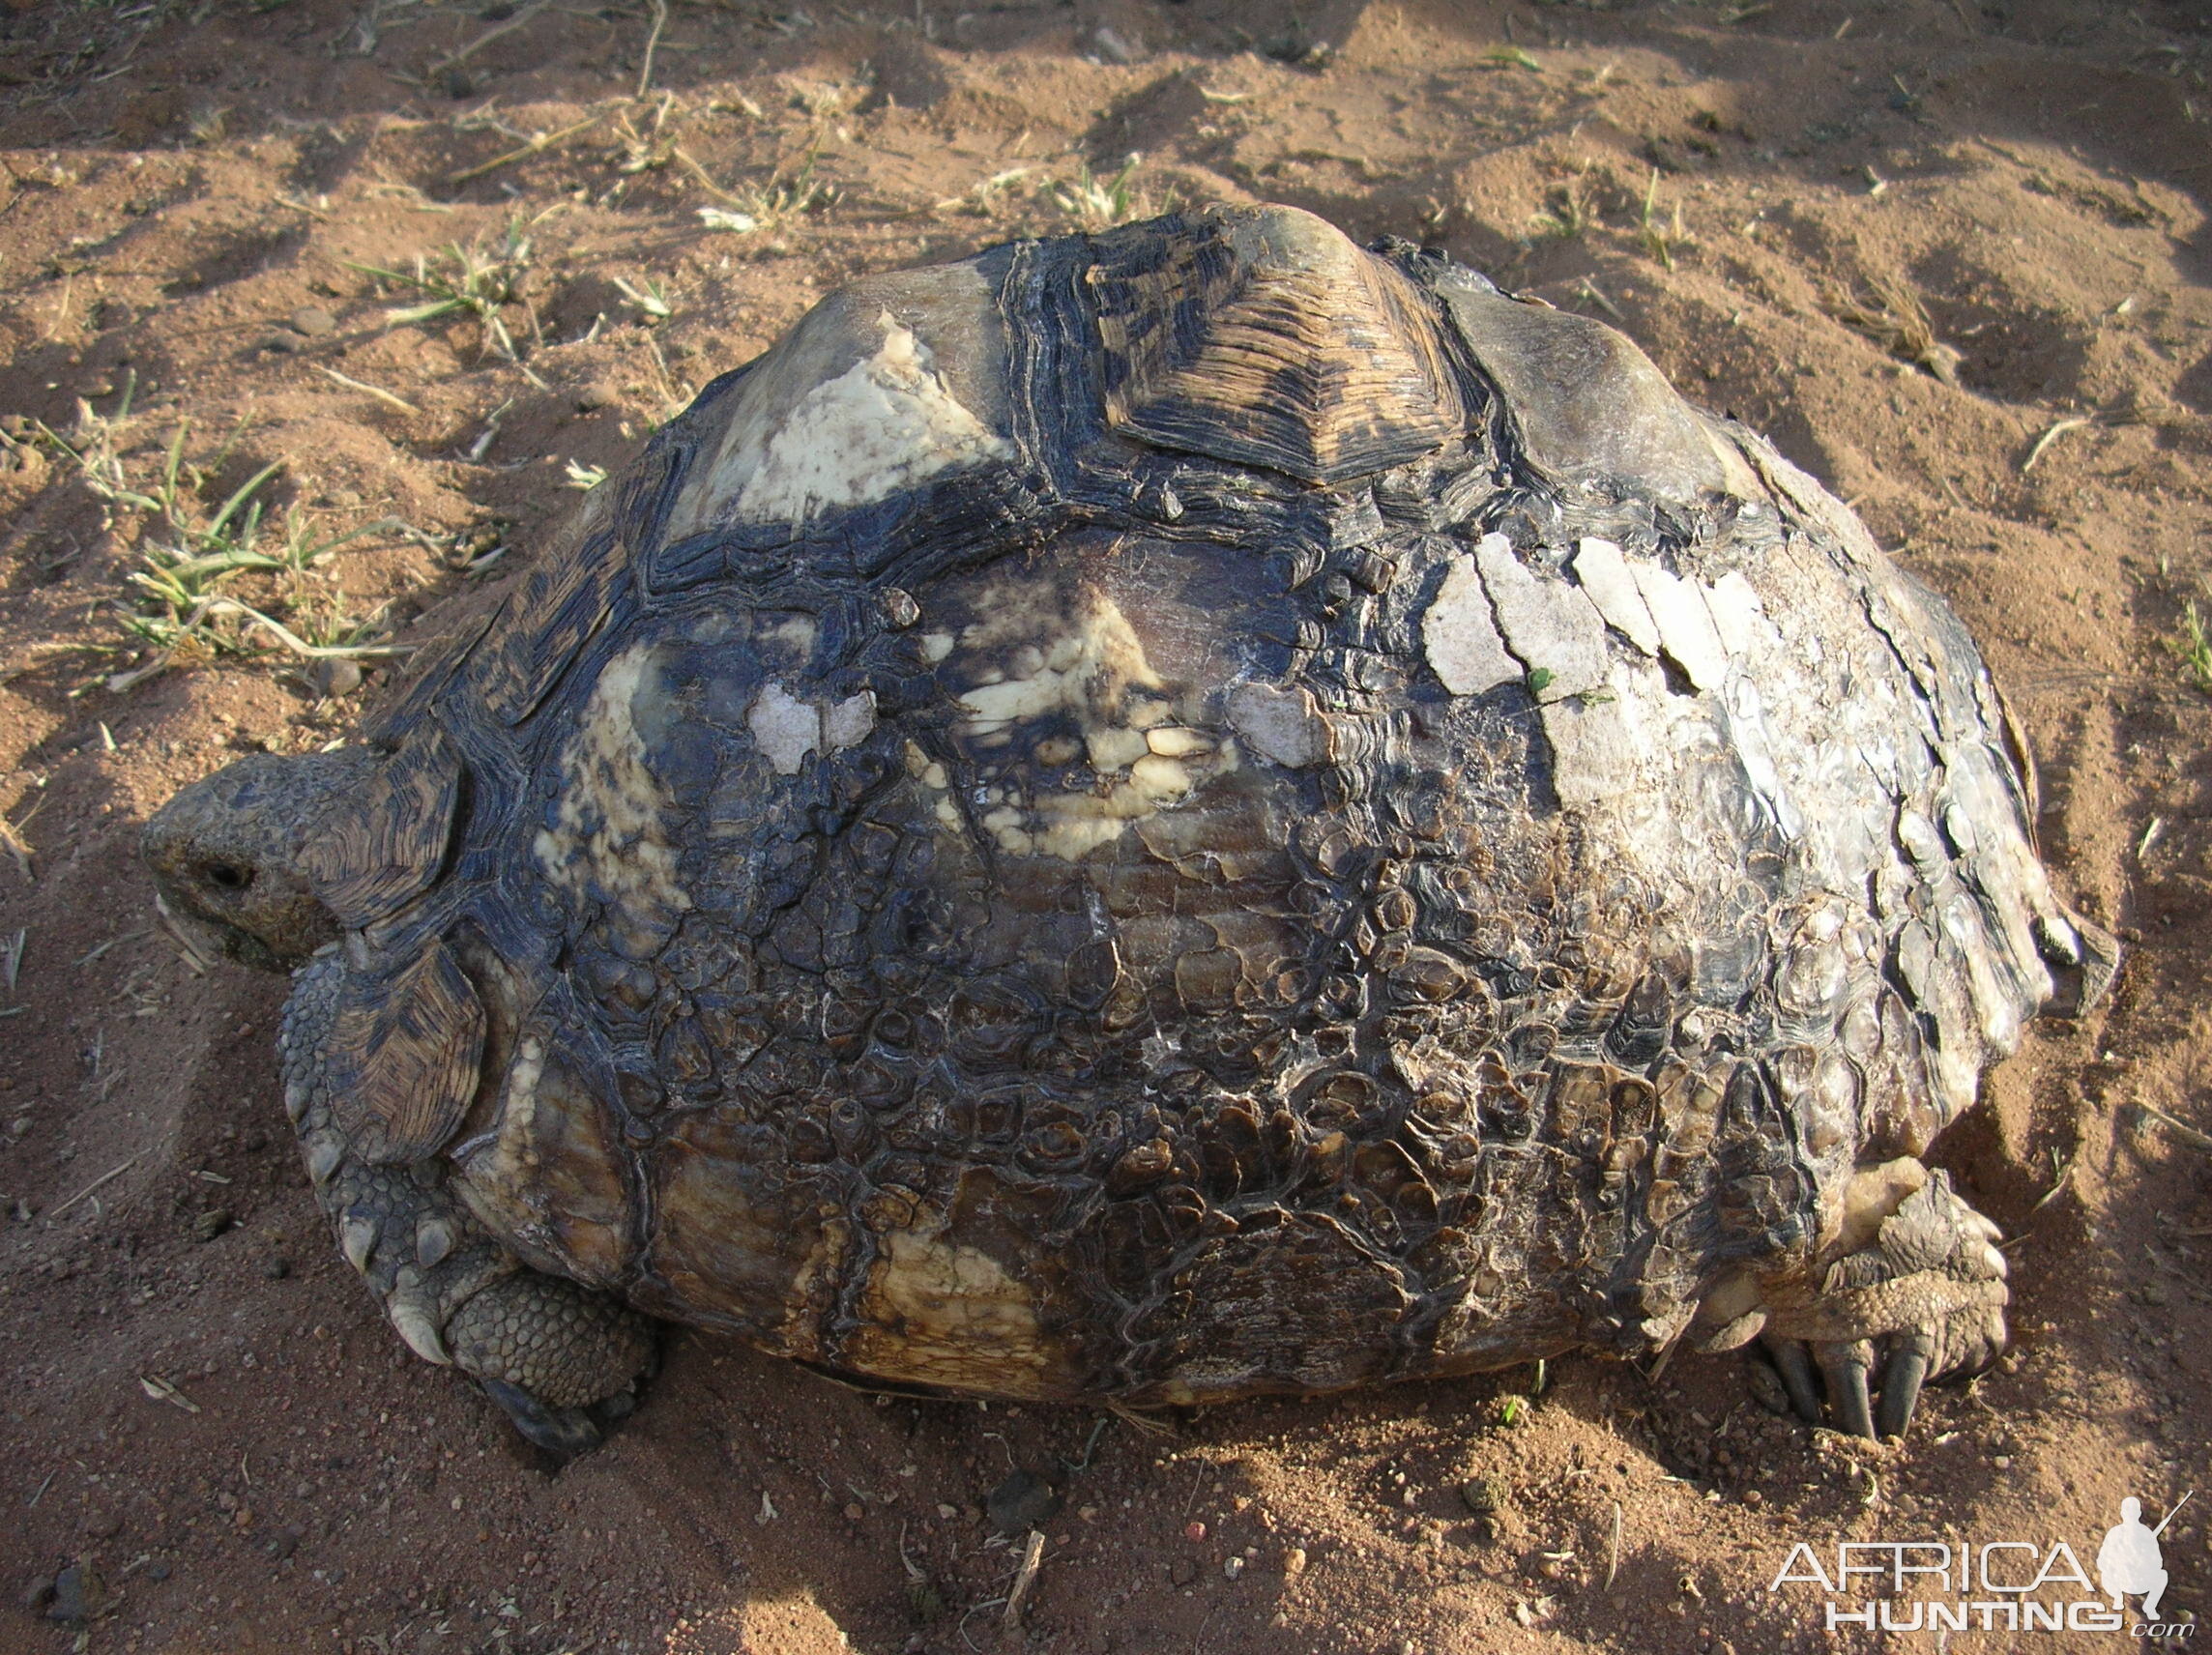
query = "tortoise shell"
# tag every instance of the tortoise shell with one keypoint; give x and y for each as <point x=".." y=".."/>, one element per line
<point x="1179" y="813"/>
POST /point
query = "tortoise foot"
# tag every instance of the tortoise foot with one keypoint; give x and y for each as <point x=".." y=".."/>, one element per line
<point x="1913" y="1293"/>
<point x="456" y="1294"/>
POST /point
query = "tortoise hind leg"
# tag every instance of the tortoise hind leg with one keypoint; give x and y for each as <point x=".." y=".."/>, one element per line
<point x="1912" y="1291"/>
<point x="553" y="1353"/>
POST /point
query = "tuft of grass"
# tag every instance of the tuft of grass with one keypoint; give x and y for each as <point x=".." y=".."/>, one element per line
<point x="1660" y="237"/>
<point x="2192" y="647"/>
<point x="179" y="597"/>
<point x="477" y="281"/>
<point x="986" y="195"/>
<point x="1567" y="212"/>
<point x="585" y="476"/>
<point x="1894" y="318"/>
<point x="770" y="206"/>
<point x="1511" y="57"/>
<point x="649" y="298"/>
<point x="1094" y="203"/>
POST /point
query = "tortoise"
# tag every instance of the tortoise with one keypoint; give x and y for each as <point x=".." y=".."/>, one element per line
<point x="1159" y="817"/>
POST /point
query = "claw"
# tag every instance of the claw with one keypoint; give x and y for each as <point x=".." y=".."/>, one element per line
<point x="563" y="1432"/>
<point x="1900" y="1378"/>
<point x="358" y="1235"/>
<point x="1844" y="1367"/>
<point x="1797" y="1378"/>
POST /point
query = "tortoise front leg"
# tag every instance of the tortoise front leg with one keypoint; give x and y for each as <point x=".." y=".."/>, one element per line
<point x="547" y="1349"/>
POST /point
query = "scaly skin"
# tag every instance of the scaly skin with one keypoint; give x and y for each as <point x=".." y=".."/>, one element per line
<point x="544" y="1347"/>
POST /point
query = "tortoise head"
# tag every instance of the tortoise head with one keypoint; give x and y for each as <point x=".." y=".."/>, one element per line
<point x="227" y="856"/>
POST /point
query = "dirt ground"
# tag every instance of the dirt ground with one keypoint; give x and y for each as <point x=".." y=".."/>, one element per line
<point x="1953" y="257"/>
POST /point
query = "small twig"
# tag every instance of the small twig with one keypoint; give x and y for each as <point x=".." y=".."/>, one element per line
<point x="2061" y="1176"/>
<point x="486" y="39"/>
<point x="652" y="44"/>
<point x="1033" y="1554"/>
<point x="43" y="1488"/>
<point x="1613" y="1557"/>
<point x="96" y="1183"/>
<point x="126" y="937"/>
<point x="2056" y="431"/>
<point x="11" y="841"/>
<point x="388" y="398"/>
<point x="535" y="146"/>
<point x="160" y="1389"/>
<point x="700" y="173"/>
<point x="2181" y="1129"/>
<point x="298" y="205"/>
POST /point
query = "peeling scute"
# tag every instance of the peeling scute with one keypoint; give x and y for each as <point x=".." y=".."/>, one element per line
<point x="1550" y="625"/>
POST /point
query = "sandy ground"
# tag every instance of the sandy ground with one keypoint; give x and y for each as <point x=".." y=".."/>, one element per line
<point x="1953" y="257"/>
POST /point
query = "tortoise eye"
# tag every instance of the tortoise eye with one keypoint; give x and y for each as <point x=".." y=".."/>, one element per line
<point x="229" y="875"/>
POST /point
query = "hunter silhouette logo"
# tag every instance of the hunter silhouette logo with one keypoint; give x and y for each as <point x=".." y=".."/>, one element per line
<point x="2009" y="1586"/>
<point x="2130" y="1561"/>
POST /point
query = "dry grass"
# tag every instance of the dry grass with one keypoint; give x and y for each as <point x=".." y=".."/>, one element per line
<point x="1893" y="317"/>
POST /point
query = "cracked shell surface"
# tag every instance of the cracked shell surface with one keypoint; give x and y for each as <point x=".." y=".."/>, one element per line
<point x="1179" y="814"/>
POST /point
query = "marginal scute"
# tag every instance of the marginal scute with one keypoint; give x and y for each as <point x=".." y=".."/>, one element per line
<point x="1263" y="336"/>
<point x="403" y="1056"/>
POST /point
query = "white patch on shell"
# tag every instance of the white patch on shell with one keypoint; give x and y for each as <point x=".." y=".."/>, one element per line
<point x="1686" y="629"/>
<point x="788" y="729"/>
<point x="1591" y="758"/>
<point x="1092" y="669"/>
<point x="610" y="831"/>
<point x="1738" y="614"/>
<point x="1460" y="638"/>
<point x="883" y="426"/>
<point x="1604" y="574"/>
<point x="1284" y="724"/>
<point x="1551" y="625"/>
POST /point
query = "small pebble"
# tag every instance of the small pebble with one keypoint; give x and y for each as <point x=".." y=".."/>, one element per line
<point x="1233" y="1566"/>
<point x="335" y="675"/>
<point x="313" y="322"/>
<point x="1194" y="1532"/>
<point x="1182" y="1571"/>
<point x="593" y="397"/>
<point x="209" y="1225"/>
<point x="1294" y="1560"/>
<point x="103" y="1525"/>
<point x="77" y="1593"/>
<point x="853" y="1511"/>
<point x="275" y="1269"/>
<point x="1023" y="1501"/>
<point x="1481" y="1496"/>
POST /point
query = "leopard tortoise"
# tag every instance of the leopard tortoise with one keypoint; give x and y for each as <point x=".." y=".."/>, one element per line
<point x="1159" y="817"/>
